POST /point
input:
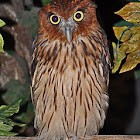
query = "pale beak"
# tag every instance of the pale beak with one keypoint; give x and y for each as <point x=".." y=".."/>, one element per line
<point x="68" y="33"/>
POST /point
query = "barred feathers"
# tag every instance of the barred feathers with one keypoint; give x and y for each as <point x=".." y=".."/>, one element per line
<point x="70" y="80"/>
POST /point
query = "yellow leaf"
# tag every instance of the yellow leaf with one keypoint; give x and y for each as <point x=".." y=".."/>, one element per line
<point x="116" y="66"/>
<point x="135" y="34"/>
<point x="134" y="41"/>
<point x="119" y="55"/>
<point x="131" y="62"/>
<point x="131" y="46"/>
<point x="130" y="12"/>
<point x="114" y="46"/>
<point x="118" y="33"/>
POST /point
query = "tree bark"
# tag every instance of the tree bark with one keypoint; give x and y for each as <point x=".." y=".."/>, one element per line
<point x="18" y="5"/>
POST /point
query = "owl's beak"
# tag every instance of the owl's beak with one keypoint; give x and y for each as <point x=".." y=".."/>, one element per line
<point x="68" y="33"/>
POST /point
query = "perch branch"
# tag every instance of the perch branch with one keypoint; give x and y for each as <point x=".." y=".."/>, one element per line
<point x="99" y="137"/>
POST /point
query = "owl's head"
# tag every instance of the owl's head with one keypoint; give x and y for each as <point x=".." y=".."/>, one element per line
<point x="66" y="20"/>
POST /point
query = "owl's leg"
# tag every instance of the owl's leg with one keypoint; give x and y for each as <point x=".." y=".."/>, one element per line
<point x="75" y="138"/>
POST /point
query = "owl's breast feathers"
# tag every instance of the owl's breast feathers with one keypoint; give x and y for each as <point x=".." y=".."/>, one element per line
<point x="69" y="85"/>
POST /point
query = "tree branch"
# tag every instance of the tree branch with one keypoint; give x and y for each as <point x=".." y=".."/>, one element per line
<point x="99" y="137"/>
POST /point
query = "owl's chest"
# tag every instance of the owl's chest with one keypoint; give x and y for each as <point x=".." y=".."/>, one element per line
<point x="69" y="89"/>
<point x="66" y="76"/>
<point x="69" y="78"/>
<point x="69" y="72"/>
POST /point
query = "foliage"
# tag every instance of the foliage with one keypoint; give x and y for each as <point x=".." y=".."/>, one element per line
<point x="25" y="17"/>
<point x="6" y="124"/>
<point x="44" y="2"/>
<point x="2" y="23"/>
<point x="128" y="45"/>
<point x="29" y="19"/>
<point x="16" y="91"/>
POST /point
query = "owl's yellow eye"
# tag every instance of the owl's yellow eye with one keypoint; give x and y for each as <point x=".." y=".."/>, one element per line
<point x="78" y="16"/>
<point x="54" y="19"/>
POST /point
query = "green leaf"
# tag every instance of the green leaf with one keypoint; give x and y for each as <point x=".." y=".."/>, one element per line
<point x="5" y="127"/>
<point x="1" y="43"/>
<point x="7" y="111"/>
<point x="2" y="23"/>
<point x="6" y="124"/>
<point x="10" y="122"/>
<point x="5" y="133"/>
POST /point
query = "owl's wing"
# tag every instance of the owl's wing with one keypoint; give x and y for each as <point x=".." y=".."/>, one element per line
<point x="37" y="66"/>
<point x="104" y="58"/>
<point x="34" y="55"/>
<point x="34" y="69"/>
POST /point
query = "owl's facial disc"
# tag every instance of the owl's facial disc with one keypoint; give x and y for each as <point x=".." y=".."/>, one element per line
<point x="70" y="26"/>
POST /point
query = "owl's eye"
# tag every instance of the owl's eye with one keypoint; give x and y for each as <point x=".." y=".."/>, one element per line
<point x="78" y="16"/>
<point x="54" y="19"/>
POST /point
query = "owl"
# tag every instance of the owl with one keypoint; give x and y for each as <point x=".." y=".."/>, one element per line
<point x="70" y="71"/>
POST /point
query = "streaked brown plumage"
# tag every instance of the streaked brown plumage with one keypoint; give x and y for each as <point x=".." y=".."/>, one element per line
<point x="70" y="71"/>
